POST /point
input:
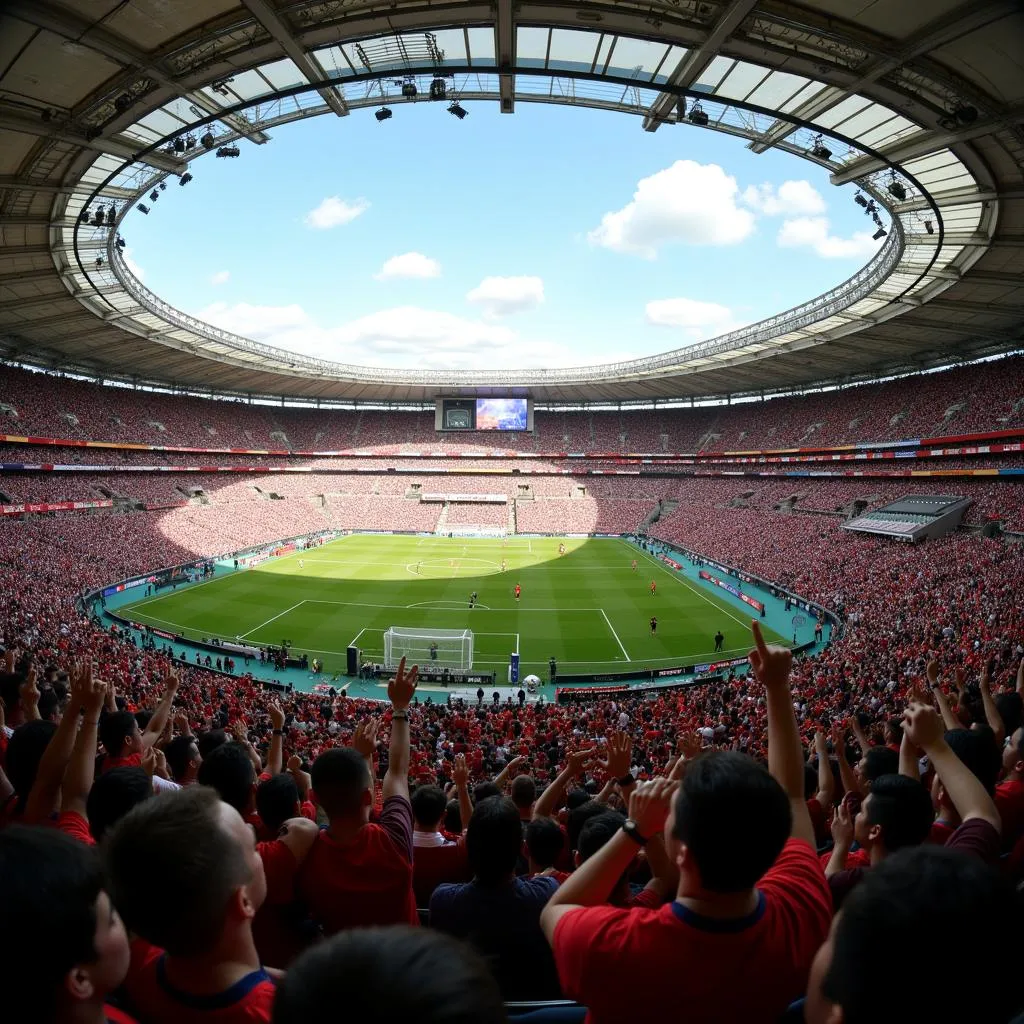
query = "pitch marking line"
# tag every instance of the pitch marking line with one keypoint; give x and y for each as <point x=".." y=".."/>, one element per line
<point x="689" y="586"/>
<point x="446" y="606"/>
<point x="351" y="642"/>
<point x="614" y="634"/>
<point x="273" y="618"/>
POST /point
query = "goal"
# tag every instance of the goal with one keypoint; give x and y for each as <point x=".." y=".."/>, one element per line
<point x="454" y="648"/>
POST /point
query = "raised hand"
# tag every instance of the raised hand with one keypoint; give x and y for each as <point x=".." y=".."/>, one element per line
<point x="650" y="803"/>
<point x="460" y="771"/>
<point x="771" y="664"/>
<point x="29" y="694"/>
<point x="239" y="730"/>
<point x="364" y="739"/>
<point x="149" y="761"/>
<point x="580" y="759"/>
<point x="922" y="725"/>
<point x="402" y="688"/>
<point x="690" y="745"/>
<point x="620" y="754"/>
<point x="276" y="715"/>
<point x="932" y="671"/>
<point x="295" y="763"/>
<point x="842" y="826"/>
<point x="181" y="723"/>
<point x="93" y="695"/>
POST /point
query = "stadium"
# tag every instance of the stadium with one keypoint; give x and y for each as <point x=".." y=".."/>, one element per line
<point x="718" y="639"/>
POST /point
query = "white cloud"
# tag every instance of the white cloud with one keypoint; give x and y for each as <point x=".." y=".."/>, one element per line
<point x="403" y="337"/>
<point x="132" y="265"/>
<point x="813" y="232"/>
<point x="409" y="264"/>
<point x="790" y="199"/>
<point x="503" y="296"/>
<point x="221" y="277"/>
<point x="687" y="202"/>
<point x="697" y="319"/>
<point x="335" y="211"/>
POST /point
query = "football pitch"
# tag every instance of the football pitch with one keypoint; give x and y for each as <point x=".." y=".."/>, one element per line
<point x="588" y="608"/>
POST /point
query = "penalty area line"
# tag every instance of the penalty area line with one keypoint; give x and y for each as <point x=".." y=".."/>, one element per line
<point x="273" y="618"/>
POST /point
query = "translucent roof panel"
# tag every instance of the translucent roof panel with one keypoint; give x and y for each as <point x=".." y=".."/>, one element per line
<point x="452" y="42"/>
<point x="481" y="46"/>
<point x="167" y="120"/>
<point x="653" y="58"/>
<point x="282" y="74"/>
<point x="741" y="81"/>
<point x="845" y="109"/>
<point x="572" y="51"/>
<point x="532" y="46"/>
<point x="709" y="79"/>
<point x="778" y="89"/>
<point x="802" y="96"/>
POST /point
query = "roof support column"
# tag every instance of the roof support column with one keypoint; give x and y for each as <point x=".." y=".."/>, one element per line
<point x="505" y="54"/>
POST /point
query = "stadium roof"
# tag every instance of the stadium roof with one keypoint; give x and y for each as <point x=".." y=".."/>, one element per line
<point x="101" y="100"/>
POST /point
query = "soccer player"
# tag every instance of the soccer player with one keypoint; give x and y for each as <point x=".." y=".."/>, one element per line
<point x="634" y="565"/>
<point x="518" y="591"/>
<point x="654" y="588"/>
<point x="504" y="564"/>
<point x="418" y="564"/>
<point x="561" y="549"/>
<point x="719" y="640"/>
<point x="654" y="625"/>
<point x="302" y="564"/>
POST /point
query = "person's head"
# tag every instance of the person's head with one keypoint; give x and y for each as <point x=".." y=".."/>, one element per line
<point x="66" y="945"/>
<point x="957" y="902"/>
<point x="342" y="783"/>
<point x="544" y="842"/>
<point x="210" y="740"/>
<point x="113" y="795"/>
<point x="524" y="791"/>
<point x="277" y="800"/>
<point x="25" y="750"/>
<point x="428" y="807"/>
<point x="183" y="759"/>
<point x="453" y="818"/>
<point x="1009" y="706"/>
<point x="184" y="871"/>
<point x="119" y="734"/>
<point x="442" y="980"/>
<point x="484" y="791"/>
<point x="597" y="831"/>
<point x="896" y="813"/>
<point x="876" y="761"/>
<point x="729" y="821"/>
<point x="576" y="798"/>
<point x="978" y="751"/>
<point x="578" y="817"/>
<point x="494" y="839"/>
<point x="1013" y="753"/>
<point x="230" y="771"/>
<point x="893" y="731"/>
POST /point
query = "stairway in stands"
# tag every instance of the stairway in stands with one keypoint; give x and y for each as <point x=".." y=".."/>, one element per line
<point x="441" y="527"/>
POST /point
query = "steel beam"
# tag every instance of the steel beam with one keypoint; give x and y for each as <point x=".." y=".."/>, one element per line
<point x="505" y="55"/>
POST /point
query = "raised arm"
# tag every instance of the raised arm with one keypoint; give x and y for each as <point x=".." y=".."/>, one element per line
<point x="1020" y="678"/>
<point x="508" y="772"/>
<point x="401" y="691"/>
<point x="992" y="716"/>
<point x="620" y="754"/>
<point x="592" y="882"/>
<point x="460" y="774"/>
<point x="826" y="780"/>
<point x="364" y="740"/>
<point x="909" y="757"/>
<point x="842" y="840"/>
<point x="275" y="756"/>
<point x="162" y="715"/>
<point x="302" y="779"/>
<point x="81" y="769"/>
<point x="948" y="718"/>
<point x="550" y="799"/>
<point x="28" y="693"/>
<point x="846" y="773"/>
<point x="965" y="790"/>
<point x="859" y="735"/>
<point x="241" y="734"/>
<point x="771" y="667"/>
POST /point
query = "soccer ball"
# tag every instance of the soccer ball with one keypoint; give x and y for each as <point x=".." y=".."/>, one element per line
<point x="532" y="680"/>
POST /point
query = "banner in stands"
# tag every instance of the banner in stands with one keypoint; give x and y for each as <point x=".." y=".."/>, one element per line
<point x="494" y="499"/>
<point x="53" y="506"/>
<point x="729" y="588"/>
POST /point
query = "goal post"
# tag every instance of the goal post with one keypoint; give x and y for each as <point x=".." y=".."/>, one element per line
<point x="429" y="648"/>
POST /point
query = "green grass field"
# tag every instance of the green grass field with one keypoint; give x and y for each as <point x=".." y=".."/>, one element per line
<point x="588" y="608"/>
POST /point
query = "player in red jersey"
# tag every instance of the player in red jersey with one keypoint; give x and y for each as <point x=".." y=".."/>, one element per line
<point x="634" y="565"/>
<point x="518" y="591"/>
<point x="654" y="588"/>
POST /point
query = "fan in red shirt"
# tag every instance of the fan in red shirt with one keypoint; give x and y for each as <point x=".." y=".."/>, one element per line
<point x="750" y="888"/>
<point x="119" y="731"/>
<point x="359" y="873"/>
<point x="1010" y="792"/>
<point x="65" y="948"/>
<point x="189" y="880"/>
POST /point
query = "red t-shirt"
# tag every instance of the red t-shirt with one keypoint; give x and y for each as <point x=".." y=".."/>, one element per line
<point x="366" y="881"/>
<point x="131" y="761"/>
<point x="74" y="825"/>
<point x="436" y="865"/>
<point x="116" y="1016"/>
<point x="940" y="832"/>
<point x="157" y="1001"/>
<point x="819" y="821"/>
<point x="679" y="962"/>
<point x="1009" y="797"/>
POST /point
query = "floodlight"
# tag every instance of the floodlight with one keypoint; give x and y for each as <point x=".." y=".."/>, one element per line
<point x="83" y="217"/>
<point x="384" y="114"/>
<point x="97" y="219"/>
<point x="409" y="90"/>
<point x="99" y="261"/>
<point x="207" y="140"/>
<point x="154" y="196"/>
<point x="122" y="103"/>
<point x="179" y="145"/>
<point x="228" y="151"/>
<point x="697" y="115"/>
<point x="681" y="108"/>
<point x="820" y="150"/>
<point x="880" y="233"/>
<point x="185" y="178"/>
<point x="929" y="227"/>
<point x="895" y="188"/>
<point x="871" y="207"/>
<point x="143" y="208"/>
<point x="163" y="186"/>
<point x="458" y="110"/>
<point x="190" y="142"/>
<point x="120" y="242"/>
<point x="860" y="200"/>
<point x="438" y="89"/>
<point x="966" y="114"/>
<point x="111" y="215"/>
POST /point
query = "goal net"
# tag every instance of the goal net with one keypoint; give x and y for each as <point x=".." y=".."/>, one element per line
<point x="429" y="648"/>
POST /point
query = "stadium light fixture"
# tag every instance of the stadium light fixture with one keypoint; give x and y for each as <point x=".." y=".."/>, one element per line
<point x="83" y="217"/>
<point x="384" y="114"/>
<point x="163" y="186"/>
<point x="120" y="243"/>
<point x="154" y="196"/>
<point x="896" y="189"/>
<point x="190" y="143"/>
<point x="820" y="150"/>
<point x="880" y="233"/>
<point x="207" y="140"/>
<point x="698" y="116"/>
<point x="860" y="200"/>
<point x="111" y="215"/>
<point x="99" y="262"/>
<point x="122" y="103"/>
<point x="681" y="108"/>
<point x="179" y="145"/>
<point x="143" y="208"/>
<point x="97" y="220"/>
<point x="185" y="178"/>
<point x="458" y="110"/>
<point x="438" y="89"/>
<point x="409" y="90"/>
<point x="929" y="227"/>
<point x="228" y="151"/>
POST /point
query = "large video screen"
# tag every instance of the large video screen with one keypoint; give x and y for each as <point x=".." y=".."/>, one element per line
<point x="501" y="414"/>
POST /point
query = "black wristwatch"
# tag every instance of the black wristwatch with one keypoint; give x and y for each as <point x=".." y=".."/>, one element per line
<point x="626" y="780"/>
<point x="629" y="827"/>
<point x="278" y="732"/>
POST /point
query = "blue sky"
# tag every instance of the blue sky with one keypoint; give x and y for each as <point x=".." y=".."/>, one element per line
<point x="552" y="237"/>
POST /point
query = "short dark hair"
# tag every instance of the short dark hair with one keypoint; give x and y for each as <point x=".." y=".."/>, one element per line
<point x="114" y="729"/>
<point x="733" y="817"/>
<point x="340" y="778"/>
<point x="977" y="749"/>
<point x="947" y="896"/>
<point x="1009" y="706"/>
<point x="453" y="817"/>
<point x="210" y="740"/>
<point x="544" y="840"/>
<point x="443" y="980"/>
<point x="25" y="750"/>
<point x="428" y="805"/>
<point x="576" y="798"/>
<point x="880" y="761"/>
<point x="494" y="839"/>
<point x="276" y="798"/>
<point x="179" y="752"/>
<point x="597" y="831"/>
<point x="578" y="817"/>
<point x="484" y="790"/>
<point x="903" y="808"/>
<point x="524" y="791"/>
<point x="49" y="915"/>
<point x="177" y="843"/>
<point x="113" y="795"/>
<point x="230" y="771"/>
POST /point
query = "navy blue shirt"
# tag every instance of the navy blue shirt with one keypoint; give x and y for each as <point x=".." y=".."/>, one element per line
<point x="502" y="922"/>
